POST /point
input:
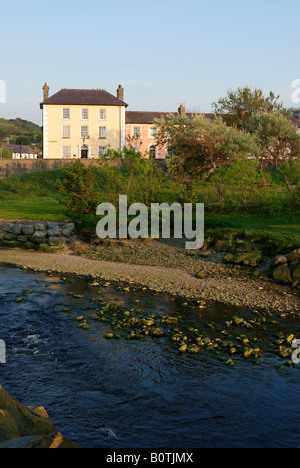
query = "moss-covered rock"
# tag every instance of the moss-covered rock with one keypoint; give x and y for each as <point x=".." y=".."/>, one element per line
<point x="282" y="273"/>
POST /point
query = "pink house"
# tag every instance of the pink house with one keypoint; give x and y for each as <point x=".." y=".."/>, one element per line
<point x="140" y="131"/>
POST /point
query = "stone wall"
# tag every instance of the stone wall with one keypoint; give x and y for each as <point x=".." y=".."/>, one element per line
<point x="46" y="236"/>
<point x="27" y="166"/>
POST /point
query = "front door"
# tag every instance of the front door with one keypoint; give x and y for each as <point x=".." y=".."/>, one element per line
<point x="84" y="152"/>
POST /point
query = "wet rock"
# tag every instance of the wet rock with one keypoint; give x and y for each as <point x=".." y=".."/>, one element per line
<point x="27" y="427"/>
<point x="55" y="440"/>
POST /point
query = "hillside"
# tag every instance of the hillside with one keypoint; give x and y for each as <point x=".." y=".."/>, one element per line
<point x="16" y="128"/>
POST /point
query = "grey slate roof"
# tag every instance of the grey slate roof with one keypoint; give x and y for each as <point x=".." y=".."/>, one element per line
<point x="83" y="97"/>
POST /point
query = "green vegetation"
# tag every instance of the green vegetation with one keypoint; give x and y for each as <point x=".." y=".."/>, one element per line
<point x="15" y="129"/>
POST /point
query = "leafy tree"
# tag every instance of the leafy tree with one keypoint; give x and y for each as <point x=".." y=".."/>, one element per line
<point x="279" y="141"/>
<point x="239" y="106"/>
<point x="200" y="145"/>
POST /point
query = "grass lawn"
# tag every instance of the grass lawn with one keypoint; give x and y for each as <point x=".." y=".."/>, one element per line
<point x="42" y="209"/>
<point x="35" y="197"/>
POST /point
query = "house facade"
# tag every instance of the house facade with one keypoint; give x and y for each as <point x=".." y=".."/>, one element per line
<point x="81" y="123"/>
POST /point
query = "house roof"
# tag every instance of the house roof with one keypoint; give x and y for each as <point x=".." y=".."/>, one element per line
<point x="24" y="149"/>
<point x="83" y="97"/>
<point x="143" y="117"/>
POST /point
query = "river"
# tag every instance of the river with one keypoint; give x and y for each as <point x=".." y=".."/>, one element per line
<point x="130" y="393"/>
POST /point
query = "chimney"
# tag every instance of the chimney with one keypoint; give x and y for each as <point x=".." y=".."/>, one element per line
<point x="120" y="93"/>
<point x="181" y="110"/>
<point x="46" y="91"/>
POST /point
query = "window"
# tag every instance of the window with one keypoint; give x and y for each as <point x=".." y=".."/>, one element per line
<point x="84" y="114"/>
<point x="66" y="132"/>
<point x="102" y="132"/>
<point x="66" y="151"/>
<point x="152" y="132"/>
<point x="102" y="150"/>
<point x="136" y="133"/>
<point x="66" y="113"/>
<point x="102" y="114"/>
<point x="84" y="131"/>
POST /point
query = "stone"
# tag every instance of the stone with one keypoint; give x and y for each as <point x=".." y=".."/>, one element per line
<point x="28" y="229"/>
<point x="2" y="234"/>
<point x="40" y="227"/>
<point x="295" y="255"/>
<point x="282" y="274"/>
<point x="56" y="240"/>
<point x="55" y="440"/>
<point x="7" y="227"/>
<point x="67" y="232"/>
<point x="296" y="274"/>
<point x="200" y="275"/>
<point x="23" y="239"/>
<point x="17" y="229"/>
<point x="279" y="260"/>
<point x="10" y="237"/>
<point x="8" y="426"/>
<point x="39" y="236"/>
<point x="53" y="229"/>
<point x="27" y="421"/>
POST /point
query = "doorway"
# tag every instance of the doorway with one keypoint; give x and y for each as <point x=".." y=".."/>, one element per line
<point x="84" y="152"/>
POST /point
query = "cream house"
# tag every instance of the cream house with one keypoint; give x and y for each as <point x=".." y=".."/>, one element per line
<point x="80" y="123"/>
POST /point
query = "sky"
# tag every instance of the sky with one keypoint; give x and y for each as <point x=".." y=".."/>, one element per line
<point x="164" y="52"/>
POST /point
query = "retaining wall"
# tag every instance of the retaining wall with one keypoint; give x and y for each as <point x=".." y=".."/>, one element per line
<point x="47" y="236"/>
<point x="26" y="166"/>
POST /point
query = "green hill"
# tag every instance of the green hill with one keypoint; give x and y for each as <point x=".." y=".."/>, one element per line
<point x="16" y="128"/>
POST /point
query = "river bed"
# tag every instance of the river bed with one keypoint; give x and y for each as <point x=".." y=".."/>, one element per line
<point x="138" y="394"/>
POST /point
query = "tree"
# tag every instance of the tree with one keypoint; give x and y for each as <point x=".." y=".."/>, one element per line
<point x="201" y="145"/>
<point x="278" y="140"/>
<point x="239" y="106"/>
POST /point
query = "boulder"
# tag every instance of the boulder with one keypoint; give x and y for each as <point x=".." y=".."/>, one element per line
<point x="282" y="273"/>
<point x="26" y="421"/>
<point x="28" y="229"/>
<point x="7" y="227"/>
<point x="279" y="260"/>
<point x="55" y="440"/>
<point x="27" y="427"/>
<point x="53" y="229"/>
<point x="295" y="255"/>
<point x="17" y="229"/>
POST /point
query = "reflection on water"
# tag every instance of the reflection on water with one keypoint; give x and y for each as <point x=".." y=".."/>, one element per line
<point x="124" y="393"/>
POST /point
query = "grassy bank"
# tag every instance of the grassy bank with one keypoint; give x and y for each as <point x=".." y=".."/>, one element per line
<point x="36" y="197"/>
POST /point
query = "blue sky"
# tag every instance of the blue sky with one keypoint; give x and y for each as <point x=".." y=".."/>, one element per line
<point x="163" y="52"/>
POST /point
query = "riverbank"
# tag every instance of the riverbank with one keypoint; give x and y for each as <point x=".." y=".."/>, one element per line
<point x="220" y="283"/>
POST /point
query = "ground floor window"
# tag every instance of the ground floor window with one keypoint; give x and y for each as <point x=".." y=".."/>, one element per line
<point x="66" y="151"/>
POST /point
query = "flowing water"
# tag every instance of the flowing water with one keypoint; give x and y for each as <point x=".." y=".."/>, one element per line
<point x="136" y="394"/>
